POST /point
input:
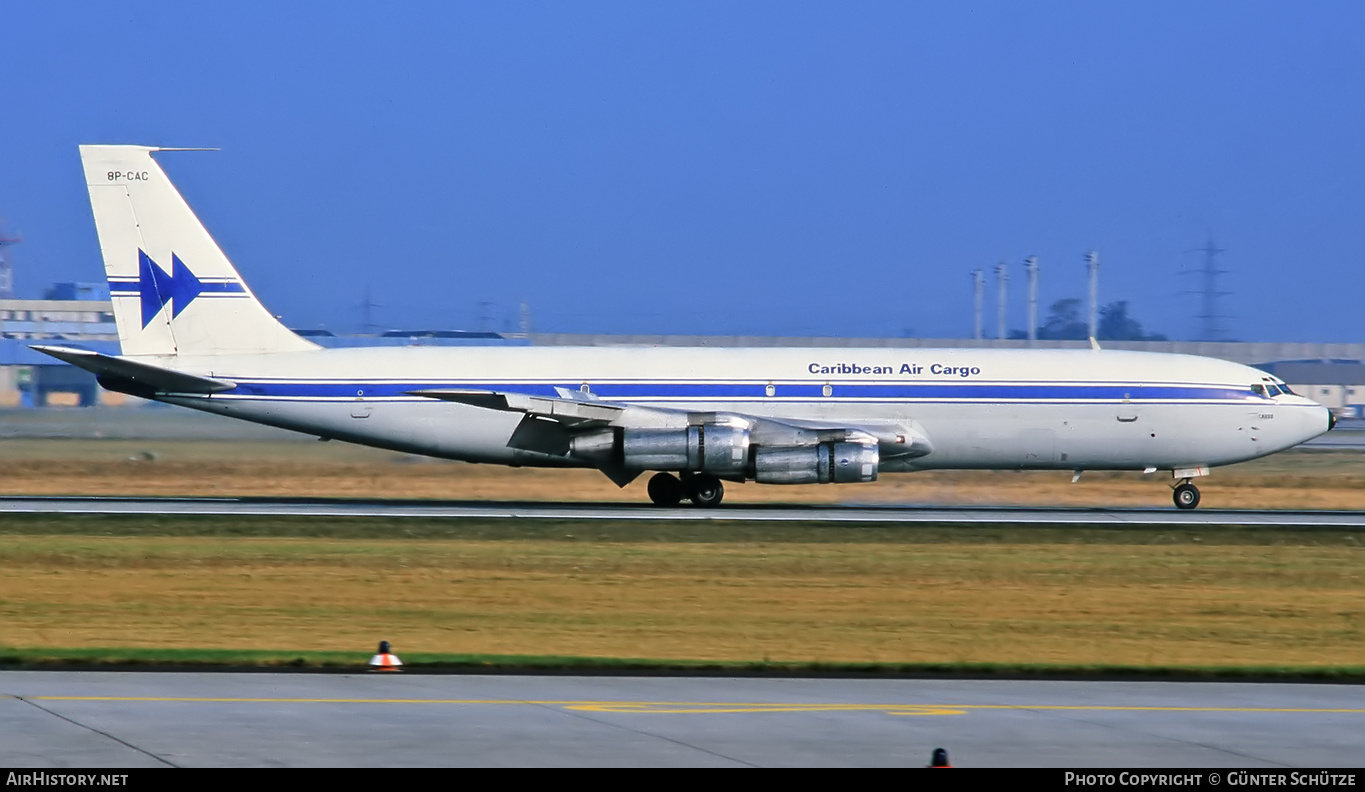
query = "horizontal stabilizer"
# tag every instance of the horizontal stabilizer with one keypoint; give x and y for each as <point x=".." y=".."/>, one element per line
<point x="565" y="411"/>
<point x="153" y="378"/>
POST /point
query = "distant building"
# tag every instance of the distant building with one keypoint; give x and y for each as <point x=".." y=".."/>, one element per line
<point x="84" y="292"/>
<point x="1334" y="383"/>
<point x="77" y="313"/>
<point x="82" y="314"/>
<point x="6" y="267"/>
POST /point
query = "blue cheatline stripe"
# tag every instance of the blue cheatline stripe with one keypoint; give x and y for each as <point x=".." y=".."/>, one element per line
<point x="533" y="381"/>
<point x="756" y="390"/>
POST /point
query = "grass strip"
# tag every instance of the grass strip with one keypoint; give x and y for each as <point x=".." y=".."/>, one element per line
<point x="738" y="598"/>
<point x="680" y="531"/>
<point x="281" y="660"/>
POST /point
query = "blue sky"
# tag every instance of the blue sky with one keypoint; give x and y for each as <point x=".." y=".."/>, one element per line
<point x="778" y="168"/>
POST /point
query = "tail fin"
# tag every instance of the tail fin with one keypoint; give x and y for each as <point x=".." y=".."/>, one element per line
<point x="174" y="291"/>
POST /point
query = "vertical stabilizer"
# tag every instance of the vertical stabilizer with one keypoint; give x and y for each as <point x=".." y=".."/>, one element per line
<point x="174" y="291"/>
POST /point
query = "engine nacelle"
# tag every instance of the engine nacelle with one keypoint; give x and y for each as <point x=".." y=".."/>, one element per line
<point x="840" y="463"/>
<point x="711" y="449"/>
<point x="721" y="450"/>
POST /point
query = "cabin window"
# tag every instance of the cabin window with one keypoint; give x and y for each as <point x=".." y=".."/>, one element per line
<point x="1258" y="389"/>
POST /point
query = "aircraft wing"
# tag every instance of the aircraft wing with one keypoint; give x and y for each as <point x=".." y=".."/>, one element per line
<point x="550" y="423"/>
<point x="569" y="412"/>
<point x="133" y="375"/>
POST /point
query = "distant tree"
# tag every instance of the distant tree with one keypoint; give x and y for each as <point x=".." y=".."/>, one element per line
<point x="1117" y="325"/>
<point x="1064" y="322"/>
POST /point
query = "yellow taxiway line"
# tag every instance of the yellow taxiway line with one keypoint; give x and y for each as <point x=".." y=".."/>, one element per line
<point x="708" y="708"/>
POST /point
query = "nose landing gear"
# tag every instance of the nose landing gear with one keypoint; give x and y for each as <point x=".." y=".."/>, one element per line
<point x="1186" y="495"/>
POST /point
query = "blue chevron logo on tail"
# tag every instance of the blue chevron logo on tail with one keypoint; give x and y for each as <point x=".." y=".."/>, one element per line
<point x="179" y="287"/>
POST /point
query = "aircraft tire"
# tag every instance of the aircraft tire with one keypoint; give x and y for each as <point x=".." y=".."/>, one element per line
<point x="705" y="490"/>
<point x="1186" y="496"/>
<point x="665" y="490"/>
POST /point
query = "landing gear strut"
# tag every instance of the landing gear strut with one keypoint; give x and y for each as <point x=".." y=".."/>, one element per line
<point x="1186" y="496"/>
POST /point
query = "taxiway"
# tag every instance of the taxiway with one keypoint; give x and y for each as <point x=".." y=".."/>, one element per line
<point x="119" y="719"/>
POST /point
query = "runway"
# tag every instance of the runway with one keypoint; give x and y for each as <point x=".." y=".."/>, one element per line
<point x="112" y="719"/>
<point x="852" y="513"/>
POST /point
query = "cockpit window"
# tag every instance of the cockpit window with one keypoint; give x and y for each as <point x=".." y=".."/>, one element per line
<point x="1271" y="388"/>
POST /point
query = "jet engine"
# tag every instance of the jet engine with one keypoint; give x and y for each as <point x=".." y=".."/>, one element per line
<point x="720" y="450"/>
<point x="726" y="451"/>
<point x="840" y="463"/>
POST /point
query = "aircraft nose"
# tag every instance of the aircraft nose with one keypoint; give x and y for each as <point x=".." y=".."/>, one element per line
<point x="1316" y="420"/>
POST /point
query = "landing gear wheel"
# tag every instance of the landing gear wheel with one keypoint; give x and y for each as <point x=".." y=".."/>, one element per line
<point x="1186" y="496"/>
<point x="665" y="489"/>
<point x="704" y="490"/>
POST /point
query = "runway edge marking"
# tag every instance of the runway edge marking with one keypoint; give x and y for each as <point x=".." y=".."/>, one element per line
<point x="216" y="507"/>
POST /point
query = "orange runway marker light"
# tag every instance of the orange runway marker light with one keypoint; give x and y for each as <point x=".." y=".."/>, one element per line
<point x="385" y="660"/>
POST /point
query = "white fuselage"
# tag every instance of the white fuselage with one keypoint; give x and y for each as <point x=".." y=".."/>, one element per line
<point x="994" y="409"/>
<point x="192" y="333"/>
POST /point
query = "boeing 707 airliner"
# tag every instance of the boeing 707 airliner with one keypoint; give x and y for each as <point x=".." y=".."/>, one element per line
<point x="192" y="334"/>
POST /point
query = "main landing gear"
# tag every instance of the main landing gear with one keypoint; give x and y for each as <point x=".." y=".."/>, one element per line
<point x="703" y="489"/>
<point x="1186" y="495"/>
